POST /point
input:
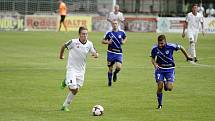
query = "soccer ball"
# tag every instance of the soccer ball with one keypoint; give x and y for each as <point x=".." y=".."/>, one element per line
<point x="97" y="110"/>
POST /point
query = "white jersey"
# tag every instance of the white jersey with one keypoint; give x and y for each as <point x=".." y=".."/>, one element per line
<point x="201" y="10"/>
<point x="78" y="54"/>
<point x="193" y="22"/>
<point x="119" y="16"/>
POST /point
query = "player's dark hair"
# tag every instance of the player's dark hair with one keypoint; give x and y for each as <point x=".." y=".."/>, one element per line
<point x="194" y="4"/>
<point x="82" y="28"/>
<point x="161" y="38"/>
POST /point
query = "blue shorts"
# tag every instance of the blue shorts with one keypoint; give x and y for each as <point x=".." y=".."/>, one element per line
<point x="113" y="57"/>
<point x="165" y="75"/>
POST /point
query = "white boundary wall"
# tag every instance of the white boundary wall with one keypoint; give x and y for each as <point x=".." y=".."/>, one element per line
<point x="97" y="23"/>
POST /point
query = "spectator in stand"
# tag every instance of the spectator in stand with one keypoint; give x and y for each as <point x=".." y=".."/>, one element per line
<point x="103" y="11"/>
<point x="210" y="12"/>
<point x="201" y="9"/>
<point x="116" y="15"/>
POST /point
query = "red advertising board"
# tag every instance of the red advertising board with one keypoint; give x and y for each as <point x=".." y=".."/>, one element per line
<point x="41" y="23"/>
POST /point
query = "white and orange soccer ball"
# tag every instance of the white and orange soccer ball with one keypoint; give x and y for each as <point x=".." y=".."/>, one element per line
<point x="97" y="110"/>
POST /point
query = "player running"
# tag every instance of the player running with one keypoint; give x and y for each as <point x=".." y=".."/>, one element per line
<point x="162" y="59"/>
<point x="78" y="51"/>
<point x="114" y="38"/>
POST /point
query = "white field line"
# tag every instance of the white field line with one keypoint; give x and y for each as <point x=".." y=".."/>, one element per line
<point x="193" y="65"/>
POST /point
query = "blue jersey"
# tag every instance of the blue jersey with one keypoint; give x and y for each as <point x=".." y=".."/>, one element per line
<point x="165" y="55"/>
<point x="117" y="38"/>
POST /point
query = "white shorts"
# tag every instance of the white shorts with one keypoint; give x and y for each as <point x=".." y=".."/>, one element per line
<point x="74" y="80"/>
<point x="192" y="36"/>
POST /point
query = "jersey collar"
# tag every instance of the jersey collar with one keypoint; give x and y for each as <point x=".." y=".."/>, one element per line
<point x="82" y="42"/>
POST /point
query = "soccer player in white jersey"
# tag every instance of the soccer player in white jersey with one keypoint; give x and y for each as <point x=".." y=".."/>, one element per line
<point x="116" y="15"/>
<point x="192" y="23"/>
<point x="78" y="51"/>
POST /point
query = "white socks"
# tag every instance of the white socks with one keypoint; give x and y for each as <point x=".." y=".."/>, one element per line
<point x="192" y="49"/>
<point x="68" y="99"/>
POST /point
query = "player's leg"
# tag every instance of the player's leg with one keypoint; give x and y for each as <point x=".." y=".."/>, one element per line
<point x="117" y="69"/>
<point x="64" y="23"/>
<point x="165" y="86"/>
<point x="63" y="84"/>
<point x="61" y="20"/>
<point x="159" y="93"/>
<point x="194" y="53"/>
<point x="170" y="80"/>
<point x="59" y="26"/>
<point x="110" y="72"/>
<point x="160" y="82"/>
<point x="110" y="63"/>
<point x="192" y="45"/>
<point x="73" y="89"/>
<point x="118" y="66"/>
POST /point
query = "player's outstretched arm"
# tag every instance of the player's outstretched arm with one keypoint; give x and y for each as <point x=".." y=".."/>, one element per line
<point x="62" y="52"/>
<point x="124" y="40"/>
<point x="185" y="54"/>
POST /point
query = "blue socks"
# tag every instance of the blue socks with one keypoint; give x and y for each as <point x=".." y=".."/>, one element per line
<point x="165" y="86"/>
<point x="159" y="97"/>
<point x="109" y="78"/>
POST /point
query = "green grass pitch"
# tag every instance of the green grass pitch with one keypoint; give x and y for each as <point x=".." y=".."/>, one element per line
<point x="30" y="76"/>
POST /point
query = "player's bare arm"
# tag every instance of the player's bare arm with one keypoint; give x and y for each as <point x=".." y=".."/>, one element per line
<point x="106" y="41"/>
<point x="109" y="20"/>
<point x="124" y="40"/>
<point x="62" y="52"/>
<point x="184" y="27"/>
<point x="95" y="55"/>
<point x="185" y="54"/>
<point x="154" y="63"/>
<point x="203" y="32"/>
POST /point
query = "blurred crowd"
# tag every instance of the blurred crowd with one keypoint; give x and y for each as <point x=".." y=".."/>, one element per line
<point x="209" y="12"/>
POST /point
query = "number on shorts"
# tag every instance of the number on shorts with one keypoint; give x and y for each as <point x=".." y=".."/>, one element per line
<point x="158" y="75"/>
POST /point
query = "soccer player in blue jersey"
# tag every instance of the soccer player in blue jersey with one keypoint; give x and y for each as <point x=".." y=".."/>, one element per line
<point x="162" y="59"/>
<point x="114" y="38"/>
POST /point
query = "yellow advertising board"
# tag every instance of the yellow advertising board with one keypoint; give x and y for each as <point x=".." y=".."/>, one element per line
<point x="8" y="23"/>
<point x="74" y="22"/>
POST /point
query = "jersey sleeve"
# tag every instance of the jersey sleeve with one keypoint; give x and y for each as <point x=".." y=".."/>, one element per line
<point x="92" y="49"/>
<point x="153" y="53"/>
<point x="178" y="47"/>
<point x="175" y="47"/>
<point x="124" y="35"/>
<point x="69" y="44"/>
<point x="187" y="18"/>
<point x="106" y="36"/>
